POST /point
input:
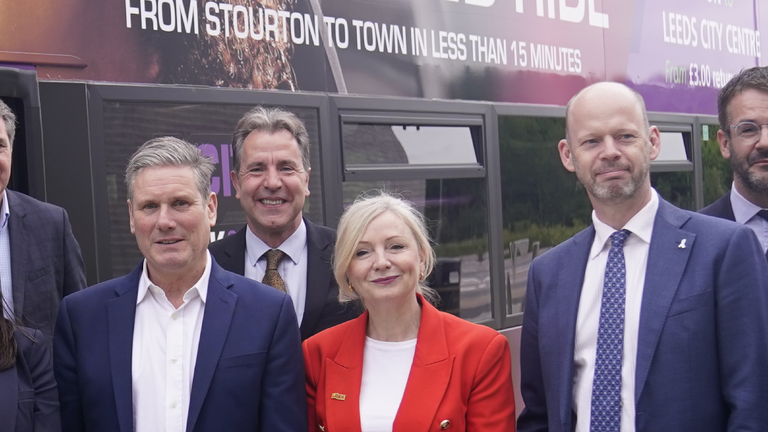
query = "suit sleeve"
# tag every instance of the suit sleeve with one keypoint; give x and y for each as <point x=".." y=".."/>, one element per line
<point x="74" y="268"/>
<point x="65" y="371"/>
<point x="283" y="399"/>
<point x="46" y="411"/>
<point x="534" y="415"/>
<point x="311" y="386"/>
<point x="742" y="332"/>
<point x="491" y="405"/>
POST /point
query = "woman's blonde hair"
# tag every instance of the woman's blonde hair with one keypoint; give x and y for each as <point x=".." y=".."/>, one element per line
<point x="353" y="224"/>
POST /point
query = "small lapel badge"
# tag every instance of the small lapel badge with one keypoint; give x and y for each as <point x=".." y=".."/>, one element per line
<point x="682" y="244"/>
<point x="338" y="396"/>
<point x="444" y="424"/>
<point x="322" y="428"/>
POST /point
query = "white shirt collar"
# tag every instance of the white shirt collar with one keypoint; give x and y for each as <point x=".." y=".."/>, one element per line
<point x="293" y="246"/>
<point x="743" y="209"/>
<point x="641" y="225"/>
<point x="199" y="288"/>
<point x="6" y="211"/>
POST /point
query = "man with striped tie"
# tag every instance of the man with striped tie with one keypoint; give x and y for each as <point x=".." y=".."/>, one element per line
<point x="742" y="110"/>
<point x="651" y="319"/>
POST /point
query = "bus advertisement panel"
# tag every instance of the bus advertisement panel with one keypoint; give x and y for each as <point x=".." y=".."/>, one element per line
<point x="677" y="53"/>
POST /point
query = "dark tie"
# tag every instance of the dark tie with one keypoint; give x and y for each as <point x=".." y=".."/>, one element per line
<point x="272" y="276"/>
<point x="606" y="387"/>
<point x="764" y="214"/>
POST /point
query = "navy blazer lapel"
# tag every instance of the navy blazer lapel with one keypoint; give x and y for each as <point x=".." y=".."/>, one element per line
<point x="121" y="313"/>
<point x="318" y="275"/>
<point x="721" y="208"/>
<point x="667" y="259"/>
<point x="19" y="244"/>
<point x="10" y="398"/>
<point x="219" y="308"/>
<point x="234" y="254"/>
<point x="570" y="282"/>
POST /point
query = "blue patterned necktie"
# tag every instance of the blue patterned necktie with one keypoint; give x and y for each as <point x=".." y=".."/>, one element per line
<point x="606" y="387"/>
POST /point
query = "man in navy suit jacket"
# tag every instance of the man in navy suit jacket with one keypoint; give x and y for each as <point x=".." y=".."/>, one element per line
<point x="179" y="344"/>
<point x="45" y="260"/>
<point x="742" y="108"/>
<point x="695" y="313"/>
<point x="271" y="176"/>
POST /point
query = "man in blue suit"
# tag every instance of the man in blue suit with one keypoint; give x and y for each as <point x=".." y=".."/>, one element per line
<point x="742" y="110"/>
<point x="40" y="259"/>
<point x="179" y="344"/>
<point x="651" y="319"/>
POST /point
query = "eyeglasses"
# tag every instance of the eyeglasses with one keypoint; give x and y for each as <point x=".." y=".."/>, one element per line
<point x="747" y="132"/>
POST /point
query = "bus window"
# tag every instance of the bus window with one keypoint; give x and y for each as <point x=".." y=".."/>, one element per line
<point x="437" y="165"/>
<point x="672" y="170"/>
<point x="675" y="187"/>
<point x="375" y="144"/>
<point x="542" y="203"/>
<point x="718" y="175"/>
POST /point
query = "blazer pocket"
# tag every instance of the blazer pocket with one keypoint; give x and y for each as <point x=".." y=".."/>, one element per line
<point x="687" y="304"/>
<point x="39" y="273"/>
<point x="242" y="360"/>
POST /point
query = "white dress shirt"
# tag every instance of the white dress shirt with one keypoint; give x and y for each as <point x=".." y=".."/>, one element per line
<point x="165" y="343"/>
<point x="588" y="319"/>
<point x="746" y="214"/>
<point x="293" y="267"/>
<point x="6" y="278"/>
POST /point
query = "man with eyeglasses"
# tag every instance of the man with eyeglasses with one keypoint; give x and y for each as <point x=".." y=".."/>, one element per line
<point x="742" y="109"/>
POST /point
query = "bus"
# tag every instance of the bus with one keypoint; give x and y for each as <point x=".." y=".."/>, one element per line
<point x="456" y="104"/>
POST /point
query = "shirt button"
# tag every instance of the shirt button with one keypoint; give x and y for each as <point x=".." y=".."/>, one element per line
<point x="173" y="404"/>
<point x="173" y="360"/>
<point x="174" y="316"/>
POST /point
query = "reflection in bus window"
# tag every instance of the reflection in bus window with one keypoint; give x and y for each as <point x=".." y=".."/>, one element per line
<point x="675" y="187"/>
<point x="543" y="204"/>
<point x="716" y="170"/>
<point x="369" y="144"/>
<point x="456" y="213"/>
<point x="673" y="148"/>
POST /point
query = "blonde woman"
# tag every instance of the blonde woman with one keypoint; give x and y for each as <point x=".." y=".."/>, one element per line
<point x="402" y="366"/>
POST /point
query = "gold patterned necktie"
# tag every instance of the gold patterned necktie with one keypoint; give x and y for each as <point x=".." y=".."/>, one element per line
<point x="272" y="276"/>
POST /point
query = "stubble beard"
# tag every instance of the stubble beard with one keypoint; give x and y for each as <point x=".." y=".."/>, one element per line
<point x="614" y="193"/>
<point x="755" y="180"/>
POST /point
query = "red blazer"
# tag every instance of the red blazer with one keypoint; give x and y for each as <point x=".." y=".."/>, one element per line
<point x="461" y="373"/>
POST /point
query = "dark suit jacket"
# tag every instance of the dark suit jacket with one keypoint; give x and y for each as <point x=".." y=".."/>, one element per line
<point x="703" y="339"/>
<point x="46" y="263"/>
<point x="28" y="398"/>
<point x="461" y="372"/>
<point x="249" y="374"/>
<point x="322" y="308"/>
<point x="721" y="208"/>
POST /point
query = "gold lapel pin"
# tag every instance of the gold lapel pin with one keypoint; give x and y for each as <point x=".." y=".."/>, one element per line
<point x="322" y="428"/>
<point x="338" y="396"/>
